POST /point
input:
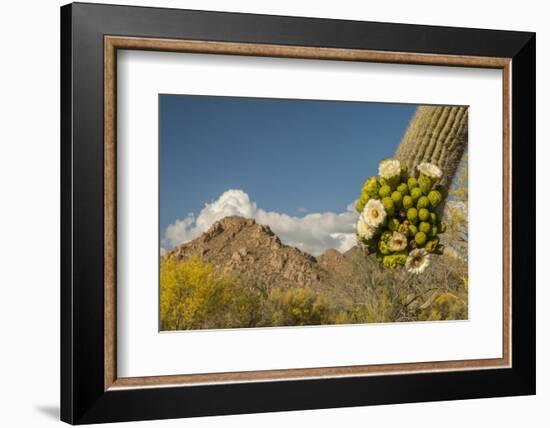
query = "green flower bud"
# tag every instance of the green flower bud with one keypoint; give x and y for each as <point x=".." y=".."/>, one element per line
<point x="385" y="191"/>
<point x="433" y="231"/>
<point x="425" y="184"/>
<point x="371" y="187"/>
<point x="423" y="202"/>
<point x="425" y="227"/>
<point x="423" y="214"/>
<point x="420" y="238"/>
<point x="360" y="205"/>
<point x="383" y="247"/>
<point x="394" y="260"/>
<point x="407" y="202"/>
<point x="393" y="224"/>
<point x="389" y="206"/>
<point x="413" y="230"/>
<point x="416" y="193"/>
<point x="434" y="219"/>
<point x="386" y="235"/>
<point x="442" y="227"/>
<point x="397" y="198"/>
<point x="440" y="248"/>
<point x="403" y="189"/>
<point x="412" y="215"/>
<point x="435" y="198"/>
<point x="431" y="246"/>
<point x="412" y="183"/>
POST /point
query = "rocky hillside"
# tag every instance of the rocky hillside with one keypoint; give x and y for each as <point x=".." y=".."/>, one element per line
<point x="253" y="251"/>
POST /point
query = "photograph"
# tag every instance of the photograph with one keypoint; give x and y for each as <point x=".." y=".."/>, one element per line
<point x="282" y="210"/>
<point x="295" y="212"/>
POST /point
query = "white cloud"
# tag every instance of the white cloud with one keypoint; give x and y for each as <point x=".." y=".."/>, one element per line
<point x="313" y="233"/>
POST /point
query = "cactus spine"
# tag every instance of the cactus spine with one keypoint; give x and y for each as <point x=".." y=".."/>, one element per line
<point x="438" y="135"/>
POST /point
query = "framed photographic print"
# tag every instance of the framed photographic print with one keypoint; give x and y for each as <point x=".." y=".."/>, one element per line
<point x="266" y="213"/>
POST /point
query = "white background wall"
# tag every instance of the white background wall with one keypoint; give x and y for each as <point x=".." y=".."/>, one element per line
<point x="29" y="213"/>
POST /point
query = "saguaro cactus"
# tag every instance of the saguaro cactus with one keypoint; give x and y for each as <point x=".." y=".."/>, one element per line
<point x="438" y="135"/>
<point x="401" y="209"/>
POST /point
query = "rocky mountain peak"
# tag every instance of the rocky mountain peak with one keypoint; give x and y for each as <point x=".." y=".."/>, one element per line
<point x="253" y="252"/>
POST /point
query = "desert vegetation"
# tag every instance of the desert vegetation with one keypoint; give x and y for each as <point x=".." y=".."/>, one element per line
<point x="204" y="284"/>
<point x="193" y="295"/>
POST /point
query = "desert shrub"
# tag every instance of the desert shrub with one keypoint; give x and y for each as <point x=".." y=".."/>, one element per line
<point x="377" y="309"/>
<point x="193" y="295"/>
<point x="298" y="306"/>
<point x="447" y="306"/>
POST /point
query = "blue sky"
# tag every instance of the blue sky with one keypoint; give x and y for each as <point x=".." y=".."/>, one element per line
<point x="295" y="157"/>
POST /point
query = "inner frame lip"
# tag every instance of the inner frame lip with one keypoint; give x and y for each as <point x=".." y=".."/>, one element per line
<point x="113" y="43"/>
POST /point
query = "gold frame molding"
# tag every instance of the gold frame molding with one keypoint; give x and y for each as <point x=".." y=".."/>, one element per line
<point x="113" y="43"/>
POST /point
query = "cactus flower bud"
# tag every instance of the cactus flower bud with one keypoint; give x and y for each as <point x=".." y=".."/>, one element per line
<point x="431" y="246"/>
<point x="389" y="206"/>
<point x="420" y="238"/>
<point x="412" y="183"/>
<point x="423" y="214"/>
<point x="397" y="198"/>
<point x="413" y="230"/>
<point x="393" y="224"/>
<point x="394" y="260"/>
<point x="423" y="202"/>
<point x="359" y="205"/>
<point x="425" y="184"/>
<point x="371" y="187"/>
<point x="403" y="189"/>
<point x="435" y="198"/>
<point x="407" y="202"/>
<point x="412" y="215"/>
<point x="385" y="191"/>
<point x="386" y="235"/>
<point x="434" y="219"/>
<point x="383" y="247"/>
<point x="416" y="193"/>
<point x="425" y="227"/>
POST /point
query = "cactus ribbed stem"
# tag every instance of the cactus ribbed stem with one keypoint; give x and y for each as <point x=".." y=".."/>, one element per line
<point x="436" y="134"/>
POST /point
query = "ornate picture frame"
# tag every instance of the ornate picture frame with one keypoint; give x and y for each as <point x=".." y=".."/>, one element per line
<point x="92" y="391"/>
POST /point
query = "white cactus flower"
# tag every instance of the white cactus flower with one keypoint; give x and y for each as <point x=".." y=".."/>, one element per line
<point x="430" y="170"/>
<point x="389" y="168"/>
<point x="417" y="261"/>
<point x="374" y="213"/>
<point x="363" y="229"/>
<point x="397" y="242"/>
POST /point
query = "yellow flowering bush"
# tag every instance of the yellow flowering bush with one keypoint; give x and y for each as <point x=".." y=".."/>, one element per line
<point x="194" y="296"/>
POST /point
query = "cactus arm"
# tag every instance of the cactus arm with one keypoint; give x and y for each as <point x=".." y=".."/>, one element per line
<point x="436" y="134"/>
